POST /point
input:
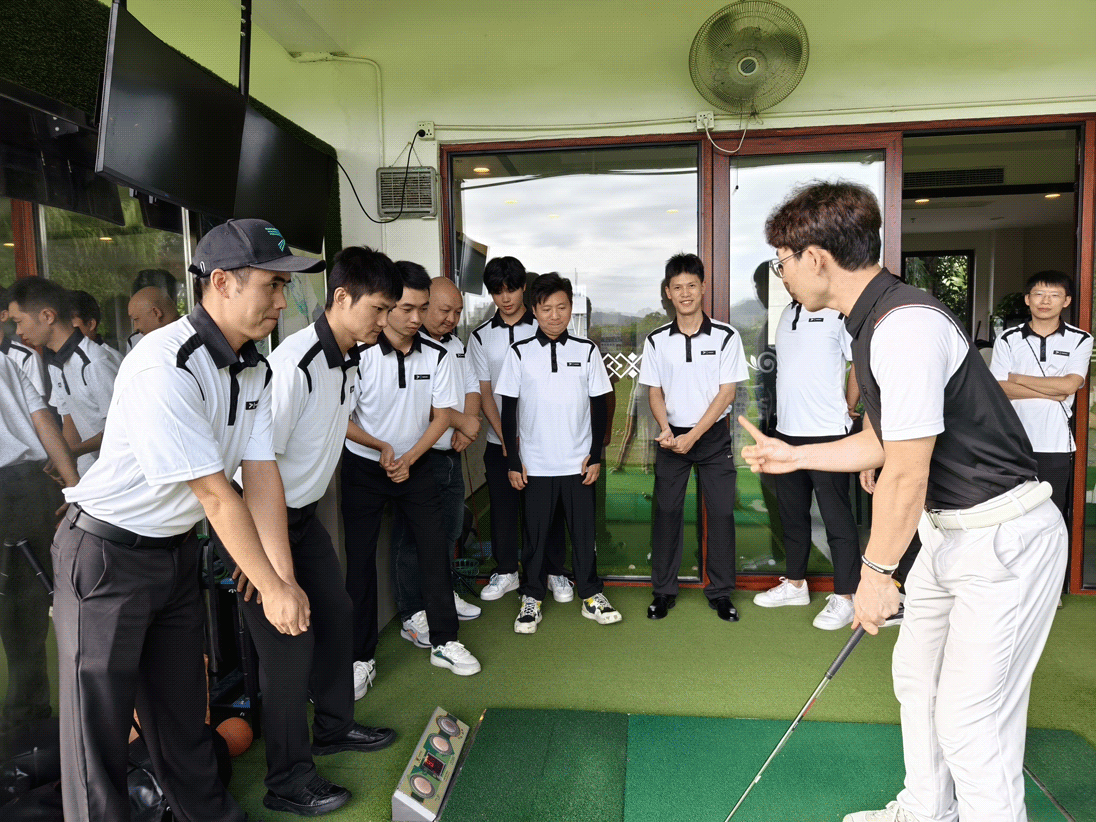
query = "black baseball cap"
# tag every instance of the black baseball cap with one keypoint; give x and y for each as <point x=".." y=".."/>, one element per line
<point x="242" y="243"/>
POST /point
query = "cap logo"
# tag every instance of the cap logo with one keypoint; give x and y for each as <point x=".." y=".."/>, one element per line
<point x="273" y="232"/>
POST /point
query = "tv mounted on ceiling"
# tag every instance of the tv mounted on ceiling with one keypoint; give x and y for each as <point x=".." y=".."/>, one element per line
<point x="167" y="127"/>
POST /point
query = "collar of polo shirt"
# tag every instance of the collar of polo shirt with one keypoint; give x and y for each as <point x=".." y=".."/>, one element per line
<point x="544" y="339"/>
<point x="331" y="351"/>
<point x="214" y="340"/>
<point x="1028" y="331"/>
<point x="5" y="344"/>
<point x="867" y="300"/>
<point x="498" y="322"/>
<point x="446" y="337"/>
<point x="705" y="327"/>
<point x="388" y="348"/>
<point x="61" y="356"/>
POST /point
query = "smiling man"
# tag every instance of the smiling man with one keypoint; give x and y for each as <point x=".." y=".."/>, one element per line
<point x="957" y="466"/>
<point x="192" y="404"/>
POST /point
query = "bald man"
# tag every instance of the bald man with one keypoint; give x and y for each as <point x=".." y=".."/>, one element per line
<point x="149" y="309"/>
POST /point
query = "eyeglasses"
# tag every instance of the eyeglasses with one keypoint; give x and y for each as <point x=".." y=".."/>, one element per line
<point x="1053" y="296"/>
<point x="776" y="266"/>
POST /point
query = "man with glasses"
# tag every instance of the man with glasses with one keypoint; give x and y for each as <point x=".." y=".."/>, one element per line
<point x="957" y="466"/>
<point x="1041" y="365"/>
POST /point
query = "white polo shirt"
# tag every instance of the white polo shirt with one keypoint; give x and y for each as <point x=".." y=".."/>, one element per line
<point x="19" y="399"/>
<point x="397" y="391"/>
<point x="813" y="350"/>
<point x="28" y="360"/>
<point x="488" y="346"/>
<point x="690" y="370"/>
<point x="465" y="380"/>
<point x="185" y="406"/>
<point x="82" y="377"/>
<point x="313" y="392"/>
<point x="1066" y="351"/>
<point x="553" y="381"/>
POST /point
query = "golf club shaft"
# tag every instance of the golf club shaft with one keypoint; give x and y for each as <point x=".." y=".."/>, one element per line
<point x="834" y="668"/>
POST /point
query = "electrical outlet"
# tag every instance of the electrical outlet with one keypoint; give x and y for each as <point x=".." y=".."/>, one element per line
<point x="705" y="120"/>
<point x="428" y="127"/>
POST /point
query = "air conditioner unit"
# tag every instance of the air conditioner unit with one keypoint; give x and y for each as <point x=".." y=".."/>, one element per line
<point x="419" y="199"/>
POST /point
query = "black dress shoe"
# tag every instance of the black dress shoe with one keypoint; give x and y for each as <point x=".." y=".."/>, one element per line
<point x="724" y="608"/>
<point x="660" y="605"/>
<point x="358" y="738"/>
<point x="317" y="797"/>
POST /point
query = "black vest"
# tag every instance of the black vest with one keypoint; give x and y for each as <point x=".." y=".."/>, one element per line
<point x="983" y="450"/>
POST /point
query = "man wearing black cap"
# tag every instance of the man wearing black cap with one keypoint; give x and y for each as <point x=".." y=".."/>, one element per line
<point x="191" y="405"/>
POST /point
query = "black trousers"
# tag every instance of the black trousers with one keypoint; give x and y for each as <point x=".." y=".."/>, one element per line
<point x="319" y="661"/>
<point x="1057" y="469"/>
<point x="793" y="492"/>
<point x="713" y="455"/>
<point x="544" y="496"/>
<point x="129" y="624"/>
<point x="365" y="490"/>
<point x="28" y="499"/>
<point x="506" y="506"/>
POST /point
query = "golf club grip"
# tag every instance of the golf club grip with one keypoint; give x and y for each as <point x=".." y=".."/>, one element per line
<point x="857" y="635"/>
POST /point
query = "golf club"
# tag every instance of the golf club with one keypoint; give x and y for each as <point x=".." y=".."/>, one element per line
<point x="830" y="674"/>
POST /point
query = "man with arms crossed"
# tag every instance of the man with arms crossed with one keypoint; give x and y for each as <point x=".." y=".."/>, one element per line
<point x="192" y="405"/>
<point x="315" y="371"/>
<point x="956" y="464"/>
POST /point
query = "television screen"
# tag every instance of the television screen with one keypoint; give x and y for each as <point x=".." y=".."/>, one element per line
<point x="284" y="181"/>
<point x="167" y="127"/>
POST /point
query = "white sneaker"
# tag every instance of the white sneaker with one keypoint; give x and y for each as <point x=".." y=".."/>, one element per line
<point x="456" y="658"/>
<point x="784" y="594"/>
<point x="563" y="590"/>
<point x="837" y="614"/>
<point x="500" y="584"/>
<point x="598" y="608"/>
<point x="528" y="617"/>
<point x="364" y="674"/>
<point x="891" y="813"/>
<point x="465" y="610"/>
<point x="416" y="630"/>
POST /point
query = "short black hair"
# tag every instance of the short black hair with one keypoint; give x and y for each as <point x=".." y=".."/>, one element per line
<point x="85" y="307"/>
<point x="503" y="274"/>
<point x="840" y="217"/>
<point x="1052" y="278"/>
<point x="683" y="264"/>
<point x="548" y="284"/>
<point x="361" y="270"/>
<point x="414" y="276"/>
<point x="35" y="293"/>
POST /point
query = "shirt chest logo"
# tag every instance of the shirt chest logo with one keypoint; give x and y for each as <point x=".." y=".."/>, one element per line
<point x="1061" y="353"/>
<point x="709" y="353"/>
<point x="574" y="365"/>
<point x="422" y="376"/>
<point x="816" y="320"/>
<point x="251" y="405"/>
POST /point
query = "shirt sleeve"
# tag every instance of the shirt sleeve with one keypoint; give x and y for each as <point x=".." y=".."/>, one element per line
<point x="464" y="365"/>
<point x="509" y="384"/>
<point x="100" y="376"/>
<point x="912" y="377"/>
<point x="260" y="445"/>
<point x="34" y="399"/>
<point x="288" y="400"/>
<point x="732" y="361"/>
<point x="180" y="446"/>
<point x="648" y="365"/>
<point x="1079" y="360"/>
<point x="444" y="390"/>
<point x="477" y="359"/>
<point x="597" y="377"/>
<point x="846" y="342"/>
<point x="1000" y="365"/>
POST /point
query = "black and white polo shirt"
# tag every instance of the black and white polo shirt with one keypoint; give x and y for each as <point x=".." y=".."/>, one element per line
<point x="690" y="370"/>
<point x="396" y="392"/>
<point x="19" y="399"/>
<point x="29" y="362"/>
<point x="313" y="392"/>
<point x="82" y="377"/>
<point x="463" y="377"/>
<point x="488" y="346"/>
<point x="813" y="351"/>
<point x="553" y="381"/>
<point x="185" y="406"/>
<point x="1065" y="351"/>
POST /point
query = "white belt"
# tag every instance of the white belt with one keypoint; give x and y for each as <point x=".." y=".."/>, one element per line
<point x="1002" y="508"/>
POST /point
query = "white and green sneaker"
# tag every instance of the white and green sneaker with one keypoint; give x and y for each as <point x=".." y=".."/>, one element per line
<point x="455" y="657"/>
<point x="528" y="617"/>
<point x="598" y="608"/>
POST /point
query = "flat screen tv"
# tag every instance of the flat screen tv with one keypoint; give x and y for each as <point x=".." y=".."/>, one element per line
<point x="284" y="181"/>
<point x="167" y="127"/>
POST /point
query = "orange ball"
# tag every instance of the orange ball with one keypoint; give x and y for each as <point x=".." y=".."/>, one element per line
<point x="237" y="733"/>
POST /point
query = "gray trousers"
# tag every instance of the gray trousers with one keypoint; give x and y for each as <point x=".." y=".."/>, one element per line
<point x="129" y="627"/>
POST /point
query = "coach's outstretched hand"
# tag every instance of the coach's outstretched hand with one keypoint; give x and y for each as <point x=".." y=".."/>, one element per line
<point x="769" y="455"/>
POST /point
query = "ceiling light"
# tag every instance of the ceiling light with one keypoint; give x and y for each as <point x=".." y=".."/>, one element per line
<point x="1052" y="196"/>
<point x="9" y="245"/>
<point x="671" y="211"/>
<point x="922" y="201"/>
<point x="482" y="170"/>
<point x="107" y="239"/>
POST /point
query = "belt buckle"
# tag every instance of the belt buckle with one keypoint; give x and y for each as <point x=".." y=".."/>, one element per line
<point x="933" y="516"/>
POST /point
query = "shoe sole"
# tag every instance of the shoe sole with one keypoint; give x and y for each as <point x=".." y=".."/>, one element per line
<point x="807" y="601"/>
<point x="491" y="596"/>
<point x="831" y="627"/>
<point x="525" y="627"/>
<point x="609" y="619"/>
<point x="325" y="750"/>
<point x="276" y="803"/>
<point x="468" y="618"/>
<point x="568" y="597"/>
<point x="414" y="639"/>
<point x="459" y="671"/>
